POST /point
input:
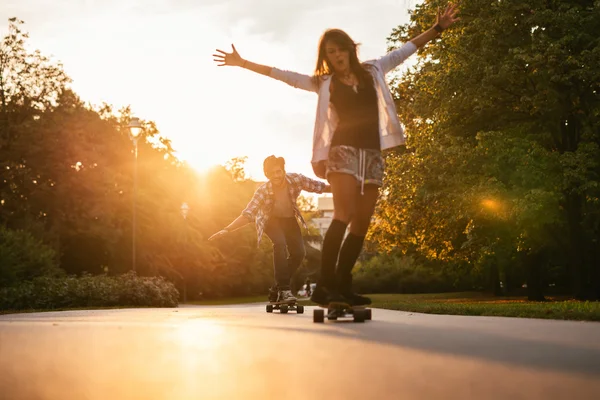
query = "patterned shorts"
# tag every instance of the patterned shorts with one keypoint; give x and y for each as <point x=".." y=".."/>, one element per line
<point x="360" y="163"/>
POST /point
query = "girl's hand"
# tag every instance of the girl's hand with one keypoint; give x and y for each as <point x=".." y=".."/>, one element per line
<point x="448" y="18"/>
<point x="233" y="59"/>
<point x="217" y="235"/>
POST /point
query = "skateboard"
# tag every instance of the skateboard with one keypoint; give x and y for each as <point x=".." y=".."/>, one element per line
<point x="284" y="307"/>
<point x="337" y="310"/>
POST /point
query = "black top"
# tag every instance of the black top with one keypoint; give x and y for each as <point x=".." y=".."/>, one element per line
<point x="358" y="115"/>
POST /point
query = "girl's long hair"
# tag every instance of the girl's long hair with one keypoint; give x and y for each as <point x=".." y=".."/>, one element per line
<point x="343" y="40"/>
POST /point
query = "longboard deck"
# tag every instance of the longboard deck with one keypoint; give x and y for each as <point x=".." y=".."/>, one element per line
<point x="284" y="307"/>
<point x="341" y="304"/>
<point x="337" y="310"/>
<point x="282" y="302"/>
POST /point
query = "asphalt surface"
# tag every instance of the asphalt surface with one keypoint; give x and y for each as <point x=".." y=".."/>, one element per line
<point x="241" y="352"/>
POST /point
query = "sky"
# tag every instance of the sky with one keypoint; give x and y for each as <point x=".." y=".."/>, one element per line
<point x="156" y="56"/>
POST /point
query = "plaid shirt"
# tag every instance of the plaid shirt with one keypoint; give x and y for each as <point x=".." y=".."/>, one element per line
<point x="260" y="207"/>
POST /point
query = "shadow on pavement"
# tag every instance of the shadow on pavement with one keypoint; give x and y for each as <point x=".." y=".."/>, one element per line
<point x="459" y="342"/>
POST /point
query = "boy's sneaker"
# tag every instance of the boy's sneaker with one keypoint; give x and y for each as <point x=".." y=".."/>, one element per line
<point x="356" y="299"/>
<point x="286" y="296"/>
<point x="273" y="294"/>
<point x="324" y="296"/>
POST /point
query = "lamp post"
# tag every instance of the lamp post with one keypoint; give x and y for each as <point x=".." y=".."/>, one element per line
<point x="184" y="212"/>
<point x="135" y="129"/>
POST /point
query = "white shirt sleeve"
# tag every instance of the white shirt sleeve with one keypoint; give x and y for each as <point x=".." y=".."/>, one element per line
<point x="396" y="57"/>
<point x="299" y="81"/>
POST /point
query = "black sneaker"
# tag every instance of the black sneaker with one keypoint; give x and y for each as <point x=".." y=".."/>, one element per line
<point x="324" y="296"/>
<point x="356" y="299"/>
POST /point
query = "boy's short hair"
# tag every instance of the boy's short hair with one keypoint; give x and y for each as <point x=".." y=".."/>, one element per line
<point x="273" y="161"/>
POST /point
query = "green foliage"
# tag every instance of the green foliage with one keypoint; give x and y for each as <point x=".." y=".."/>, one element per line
<point x="235" y="167"/>
<point x="396" y="273"/>
<point x="502" y="168"/>
<point x="89" y="291"/>
<point x="67" y="176"/>
<point x="22" y="257"/>
<point x="500" y="181"/>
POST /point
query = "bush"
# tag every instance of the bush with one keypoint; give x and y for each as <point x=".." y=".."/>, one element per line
<point x="22" y="257"/>
<point x="393" y="273"/>
<point x="90" y="291"/>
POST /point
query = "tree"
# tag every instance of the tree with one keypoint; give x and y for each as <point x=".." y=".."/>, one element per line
<point x="502" y="117"/>
<point x="67" y="179"/>
<point x="235" y="167"/>
<point x="30" y="84"/>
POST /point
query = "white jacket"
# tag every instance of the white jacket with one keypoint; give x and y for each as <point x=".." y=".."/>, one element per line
<point x="391" y="133"/>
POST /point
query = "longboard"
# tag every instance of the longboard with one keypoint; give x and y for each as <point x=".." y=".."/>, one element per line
<point x="337" y="310"/>
<point x="284" y="307"/>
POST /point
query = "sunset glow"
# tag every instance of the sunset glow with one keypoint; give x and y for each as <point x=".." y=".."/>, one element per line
<point x="157" y="58"/>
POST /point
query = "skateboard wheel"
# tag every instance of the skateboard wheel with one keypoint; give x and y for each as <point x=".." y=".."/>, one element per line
<point x="300" y="309"/>
<point x="318" y="315"/>
<point x="284" y="309"/>
<point x="368" y="312"/>
<point x="269" y="307"/>
<point x="359" y="315"/>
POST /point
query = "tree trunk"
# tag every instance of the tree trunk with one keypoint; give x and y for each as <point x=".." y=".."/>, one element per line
<point x="535" y="267"/>
<point x="577" y="246"/>
<point x="595" y="270"/>
<point x="3" y="110"/>
<point x="508" y="281"/>
<point x="495" y="279"/>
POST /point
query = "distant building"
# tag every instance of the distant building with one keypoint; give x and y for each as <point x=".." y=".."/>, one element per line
<point x="325" y="206"/>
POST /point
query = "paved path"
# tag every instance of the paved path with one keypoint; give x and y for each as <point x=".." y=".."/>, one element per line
<point x="241" y="352"/>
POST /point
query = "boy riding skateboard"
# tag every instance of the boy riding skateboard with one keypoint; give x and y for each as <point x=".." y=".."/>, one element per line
<point x="274" y="210"/>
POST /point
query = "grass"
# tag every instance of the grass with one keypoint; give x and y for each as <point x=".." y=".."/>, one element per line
<point x="213" y="302"/>
<point x="465" y="303"/>
<point x="472" y="303"/>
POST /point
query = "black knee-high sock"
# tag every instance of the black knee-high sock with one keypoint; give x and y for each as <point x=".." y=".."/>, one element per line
<point x="348" y="255"/>
<point x="329" y="255"/>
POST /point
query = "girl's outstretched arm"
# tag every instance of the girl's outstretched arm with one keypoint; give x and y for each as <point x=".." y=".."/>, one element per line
<point x="294" y="79"/>
<point x="235" y="60"/>
<point x="394" y="58"/>
<point x="443" y="22"/>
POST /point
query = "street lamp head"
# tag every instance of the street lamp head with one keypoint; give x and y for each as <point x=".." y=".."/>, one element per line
<point x="184" y="210"/>
<point x="135" y="128"/>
